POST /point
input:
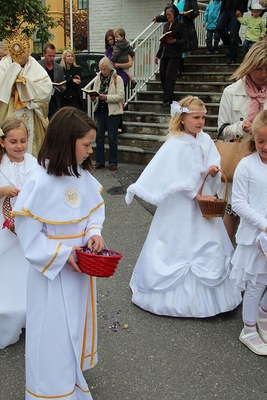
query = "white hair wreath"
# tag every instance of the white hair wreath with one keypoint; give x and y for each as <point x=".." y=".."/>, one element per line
<point x="176" y="108"/>
<point x="1" y="133"/>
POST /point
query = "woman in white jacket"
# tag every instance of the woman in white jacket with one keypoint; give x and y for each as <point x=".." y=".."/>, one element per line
<point x="108" y="109"/>
<point x="240" y="103"/>
<point x="249" y="201"/>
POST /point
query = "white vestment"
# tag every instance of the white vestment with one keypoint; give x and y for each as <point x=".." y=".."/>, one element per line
<point x="53" y="214"/>
<point x="183" y="269"/>
<point x="34" y="94"/>
<point x="13" y="264"/>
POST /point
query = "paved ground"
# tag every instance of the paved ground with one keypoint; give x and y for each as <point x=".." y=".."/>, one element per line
<point x="157" y="358"/>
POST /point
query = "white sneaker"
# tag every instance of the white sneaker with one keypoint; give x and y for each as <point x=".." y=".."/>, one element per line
<point x="259" y="349"/>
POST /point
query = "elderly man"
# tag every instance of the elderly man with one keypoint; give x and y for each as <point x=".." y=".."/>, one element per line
<point x="25" y="91"/>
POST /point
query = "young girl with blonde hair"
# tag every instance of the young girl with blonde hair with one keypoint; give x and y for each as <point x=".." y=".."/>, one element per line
<point x="183" y="269"/>
<point x="249" y="201"/>
<point x="16" y="166"/>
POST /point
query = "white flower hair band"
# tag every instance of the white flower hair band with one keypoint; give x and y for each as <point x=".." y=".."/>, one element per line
<point x="176" y="108"/>
<point x="1" y="133"/>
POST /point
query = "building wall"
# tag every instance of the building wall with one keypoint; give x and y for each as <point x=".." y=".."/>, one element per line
<point x="57" y="12"/>
<point x="132" y="15"/>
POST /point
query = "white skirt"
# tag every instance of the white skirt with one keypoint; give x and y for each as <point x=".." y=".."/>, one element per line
<point x="184" y="266"/>
<point x="13" y="286"/>
<point x="249" y="264"/>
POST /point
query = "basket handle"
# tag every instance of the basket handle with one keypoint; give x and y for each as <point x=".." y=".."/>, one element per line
<point x="226" y="184"/>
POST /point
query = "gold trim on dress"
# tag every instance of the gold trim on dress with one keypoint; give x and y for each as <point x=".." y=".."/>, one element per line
<point x="58" y="396"/>
<point x="73" y="236"/>
<point x="54" y="257"/>
<point x="27" y="213"/>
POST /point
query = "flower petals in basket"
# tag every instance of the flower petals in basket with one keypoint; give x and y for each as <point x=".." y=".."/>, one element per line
<point x="213" y="208"/>
<point x="101" y="264"/>
<point x="9" y="220"/>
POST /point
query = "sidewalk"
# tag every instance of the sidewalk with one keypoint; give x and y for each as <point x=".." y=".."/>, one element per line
<point x="143" y="356"/>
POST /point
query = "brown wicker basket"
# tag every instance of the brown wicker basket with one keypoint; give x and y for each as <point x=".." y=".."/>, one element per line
<point x="216" y="208"/>
<point x="101" y="265"/>
<point x="9" y="220"/>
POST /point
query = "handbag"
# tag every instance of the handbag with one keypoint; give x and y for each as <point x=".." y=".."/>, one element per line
<point x="231" y="153"/>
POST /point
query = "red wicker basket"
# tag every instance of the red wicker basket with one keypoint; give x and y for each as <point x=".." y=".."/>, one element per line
<point x="101" y="264"/>
<point x="9" y="220"/>
<point x="216" y="208"/>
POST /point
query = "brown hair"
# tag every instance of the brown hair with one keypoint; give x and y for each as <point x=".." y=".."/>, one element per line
<point x="58" y="151"/>
<point x="48" y="46"/>
<point x="9" y="124"/>
<point x="110" y="32"/>
<point x="259" y="121"/>
<point x="176" y="125"/>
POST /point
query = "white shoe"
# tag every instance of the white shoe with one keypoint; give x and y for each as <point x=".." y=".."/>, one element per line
<point x="259" y="349"/>
<point x="262" y="333"/>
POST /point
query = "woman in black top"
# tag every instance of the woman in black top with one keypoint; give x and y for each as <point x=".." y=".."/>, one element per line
<point x="72" y="95"/>
<point x="170" y="53"/>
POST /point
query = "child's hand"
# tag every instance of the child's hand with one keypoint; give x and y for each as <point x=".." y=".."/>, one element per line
<point x="238" y="13"/>
<point x="200" y="197"/>
<point x="9" y="191"/>
<point x="246" y="126"/>
<point x="71" y="261"/>
<point x="213" y="170"/>
<point x="96" y="243"/>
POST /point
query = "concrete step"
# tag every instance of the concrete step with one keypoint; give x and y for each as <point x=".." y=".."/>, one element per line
<point x="207" y="97"/>
<point x="144" y="106"/>
<point x="197" y="76"/>
<point x="207" y="59"/>
<point x="190" y="86"/>
<point x="144" y="121"/>
<point x="210" y="67"/>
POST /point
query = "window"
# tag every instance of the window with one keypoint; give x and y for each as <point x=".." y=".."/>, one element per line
<point x="82" y="4"/>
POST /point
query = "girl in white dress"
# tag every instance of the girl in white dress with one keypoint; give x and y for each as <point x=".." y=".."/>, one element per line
<point x="183" y="269"/>
<point x="15" y="167"/>
<point x="58" y="209"/>
<point x="249" y="201"/>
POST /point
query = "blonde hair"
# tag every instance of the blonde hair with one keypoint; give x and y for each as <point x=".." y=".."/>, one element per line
<point x="176" y="125"/>
<point x="120" y="32"/>
<point x="7" y="126"/>
<point x="63" y="58"/>
<point x="260" y="121"/>
<point x="255" y="58"/>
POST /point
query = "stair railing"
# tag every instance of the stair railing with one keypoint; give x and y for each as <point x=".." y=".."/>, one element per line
<point x="146" y="46"/>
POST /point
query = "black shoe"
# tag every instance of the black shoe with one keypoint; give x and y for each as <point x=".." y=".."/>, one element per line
<point x="112" y="167"/>
<point x="230" y="61"/>
<point x="166" y="104"/>
<point x="99" y="166"/>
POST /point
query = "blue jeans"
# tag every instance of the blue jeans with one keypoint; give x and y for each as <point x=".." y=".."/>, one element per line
<point x="111" y="125"/>
<point x="246" y="46"/>
<point x="229" y="36"/>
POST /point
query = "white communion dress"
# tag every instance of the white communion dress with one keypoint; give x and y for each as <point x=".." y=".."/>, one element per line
<point x="13" y="264"/>
<point x="53" y="214"/>
<point x="184" y="265"/>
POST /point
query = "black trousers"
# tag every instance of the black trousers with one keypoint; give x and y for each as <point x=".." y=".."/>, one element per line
<point x="168" y="70"/>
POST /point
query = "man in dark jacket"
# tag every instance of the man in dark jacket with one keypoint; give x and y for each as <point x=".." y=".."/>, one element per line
<point x="228" y="26"/>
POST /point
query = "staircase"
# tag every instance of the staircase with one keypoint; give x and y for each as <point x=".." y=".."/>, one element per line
<point x="146" y="121"/>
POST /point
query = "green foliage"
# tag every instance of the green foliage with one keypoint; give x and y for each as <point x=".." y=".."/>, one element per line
<point x="28" y="15"/>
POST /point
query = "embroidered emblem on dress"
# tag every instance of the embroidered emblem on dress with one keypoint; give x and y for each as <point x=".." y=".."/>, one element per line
<point x="72" y="197"/>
